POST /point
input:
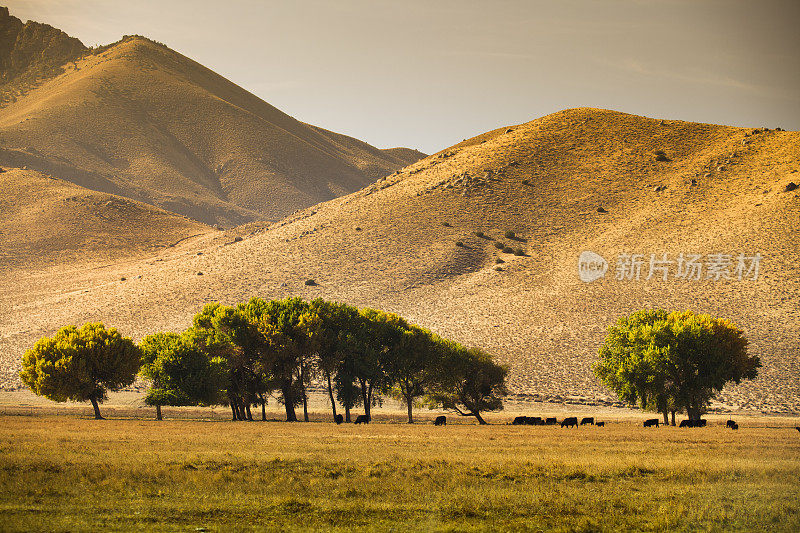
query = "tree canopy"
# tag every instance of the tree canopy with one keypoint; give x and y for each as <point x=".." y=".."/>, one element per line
<point x="673" y="362"/>
<point x="468" y="381"/>
<point x="81" y="364"/>
<point x="180" y="373"/>
<point x="240" y="355"/>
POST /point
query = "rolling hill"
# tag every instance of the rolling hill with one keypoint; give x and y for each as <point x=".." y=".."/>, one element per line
<point x="51" y="224"/>
<point x="139" y="120"/>
<point x="578" y="180"/>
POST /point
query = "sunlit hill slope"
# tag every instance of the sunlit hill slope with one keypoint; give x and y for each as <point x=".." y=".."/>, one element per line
<point x="395" y="245"/>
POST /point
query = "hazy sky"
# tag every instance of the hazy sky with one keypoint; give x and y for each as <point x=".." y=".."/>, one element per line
<point x="429" y="73"/>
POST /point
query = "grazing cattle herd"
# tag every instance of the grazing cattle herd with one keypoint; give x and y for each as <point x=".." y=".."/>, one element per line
<point x="570" y="421"/>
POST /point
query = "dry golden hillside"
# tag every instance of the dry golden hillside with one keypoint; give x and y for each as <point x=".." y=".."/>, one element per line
<point x="48" y="223"/>
<point x="393" y="245"/>
<point x="139" y="120"/>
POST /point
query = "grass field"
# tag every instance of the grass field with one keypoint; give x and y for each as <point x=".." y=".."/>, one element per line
<point x="64" y="473"/>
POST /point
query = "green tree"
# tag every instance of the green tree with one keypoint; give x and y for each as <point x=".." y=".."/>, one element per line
<point x="668" y="362"/>
<point x="372" y="342"/>
<point x="284" y="348"/>
<point x="329" y="327"/>
<point x="81" y="364"/>
<point x="411" y="363"/>
<point x="467" y="381"/>
<point x="180" y="373"/>
<point x="226" y="335"/>
<point x="348" y="392"/>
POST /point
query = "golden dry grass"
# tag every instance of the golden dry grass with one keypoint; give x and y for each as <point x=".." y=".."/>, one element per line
<point x="61" y="473"/>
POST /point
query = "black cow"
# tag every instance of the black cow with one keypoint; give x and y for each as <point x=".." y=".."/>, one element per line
<point x="338" y="419"/>
<point x="587" y="420"/>
<point x="651" y="422"/>
<point x="735" y="426"/>
<point x="693" y="423"/>
<point x="520" y="421"/>
<point x="797" y="428"/>
<point x="441" y="420"/>
<point x="600" y="424"/>
<point x="534" y="420"/>
<point x="551" y="421"/>
<point x="730" y="424"/>
<point x="570" y="421"/>
<point x="362" y="419"/>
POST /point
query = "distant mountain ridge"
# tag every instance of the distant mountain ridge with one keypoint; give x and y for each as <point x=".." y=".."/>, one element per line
<point x="139" y="120"/>
<point x="31" y="51"/>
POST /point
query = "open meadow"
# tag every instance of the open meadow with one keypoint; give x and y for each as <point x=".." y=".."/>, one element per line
<point x="67" y="473"/>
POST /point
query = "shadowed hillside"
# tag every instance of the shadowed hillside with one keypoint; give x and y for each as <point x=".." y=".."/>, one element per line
<point x="139" y="120"/>
<point x="662" y="186"/>
<point x="48" y="223"/>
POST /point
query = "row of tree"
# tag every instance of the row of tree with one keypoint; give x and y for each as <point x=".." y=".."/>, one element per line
<point x="241" y="355"/>
<point x="673" y="362"/>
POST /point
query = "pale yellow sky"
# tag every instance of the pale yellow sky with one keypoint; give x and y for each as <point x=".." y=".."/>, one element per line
<point x="427" y="74"/>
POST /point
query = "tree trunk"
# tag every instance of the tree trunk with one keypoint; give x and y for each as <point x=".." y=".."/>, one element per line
<point x="288" y="402"/>
<point x="347" y="413"/>
<point x="233" y="411"/>
<point x="409" y="402"/>
<point x="247" y="410"/>
<point x="368" y="407"/>
<point x="303" y="391"/>
<point x="158" y="413"/>
<point x="673" y="417"/>
<point x="666" y="417"/>
<point x="330" y="395"/>
<point x="480" y="419"/>
<point x="263" y="410"/>
<point x="291" y="416"/>
<point x="97" y="415"/>
<point x="364" y="397"/>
